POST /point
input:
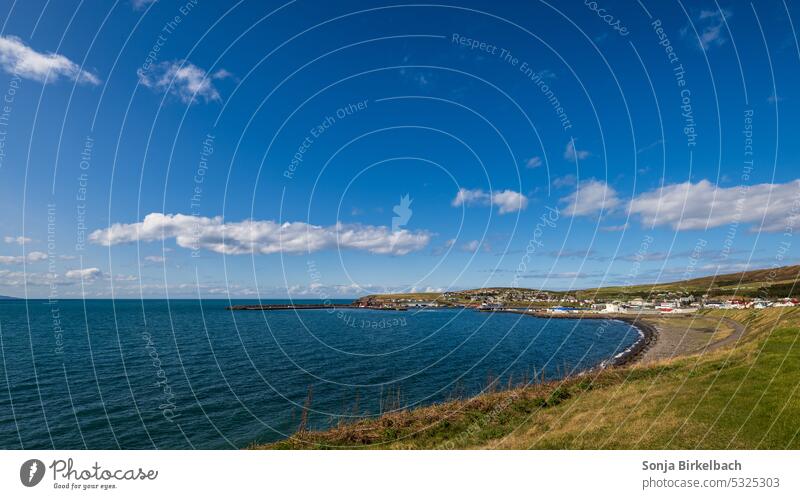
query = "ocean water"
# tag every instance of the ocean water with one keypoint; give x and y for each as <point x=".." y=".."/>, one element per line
<point x="184" y="374"/>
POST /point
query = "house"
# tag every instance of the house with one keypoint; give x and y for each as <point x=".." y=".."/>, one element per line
<point x="668" y="306"/>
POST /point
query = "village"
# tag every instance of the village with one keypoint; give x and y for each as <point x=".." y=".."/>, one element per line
<point x="680" y="305"/>
<point x="499" y="299"/>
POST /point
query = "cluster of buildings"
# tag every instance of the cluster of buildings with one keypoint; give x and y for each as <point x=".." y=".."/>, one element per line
<point x="492" y="297"/>
<point x="683" y="304"/>
<point x="543" y="301"/>
<point x="755" y="303"/>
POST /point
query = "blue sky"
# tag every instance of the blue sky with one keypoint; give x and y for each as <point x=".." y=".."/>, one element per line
<point x="243" y="149"/>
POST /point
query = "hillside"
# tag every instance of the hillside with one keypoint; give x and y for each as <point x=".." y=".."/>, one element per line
<point x="781" y="282"/>
<point x="742" y="396"/>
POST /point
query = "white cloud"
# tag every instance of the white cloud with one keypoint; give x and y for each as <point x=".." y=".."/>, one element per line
<point x="695" y="206"/>
<point x="470" y="197"/>
<point x="614" y="228"/>
<point x="710" y="25"/>
<point x="565" y="181"/>
<point x="468" y="247"/>
<point x="33" y="256"/>
<point x="17" y="58"/>
<point x="17" y="240"/>
<point x="471" y="245"/>
<point x="86" y="274"/>
<point x="141" y="4"/>
<point x="155" y="259"/>
<point x="36" y="256"/>
<point x="534" y="162"/>
<point x="17" y="279"/>
<point x="261" y="236"/>
<point x="507" y="201"/>
<point x="591" y="196"/>
<point x="184" y="80"/>
<point x="475" y="245"/>
<point x="773" y="98"/>
<point x="571" y="153"/>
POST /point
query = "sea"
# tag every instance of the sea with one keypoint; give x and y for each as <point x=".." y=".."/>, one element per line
<point x="190" y="374"/>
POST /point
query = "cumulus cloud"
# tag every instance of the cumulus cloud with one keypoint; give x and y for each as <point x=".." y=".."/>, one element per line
<point x="261" y="236"/>
<point x="17" y="240"/>
<point x="87" y="274"/>
<point x="184" y="80"/>
<point x="703" y="204"/>
<point x="33" y="256"/>
<point x="507" y="201"/>
<point x="572" y="154"/>
<point x="590" y="197"/>
<point x="155" y="259"/>
<point x="16" y="58"/>
<point x="470" y="197"/>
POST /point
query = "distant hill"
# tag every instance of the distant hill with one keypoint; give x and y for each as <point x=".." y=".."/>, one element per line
<point x="780" y="282"/>
<point x="2" y="297"/>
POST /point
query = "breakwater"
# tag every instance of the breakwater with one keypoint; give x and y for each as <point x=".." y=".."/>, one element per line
<point x="306" y="306"/>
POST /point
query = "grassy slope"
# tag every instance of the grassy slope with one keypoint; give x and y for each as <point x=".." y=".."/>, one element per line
<point x="746" y="396"/>
<point x="779" y="282"/>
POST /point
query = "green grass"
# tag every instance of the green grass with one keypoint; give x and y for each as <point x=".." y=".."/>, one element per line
<point x="745" y="396"/>
<point x="780" y="282"/>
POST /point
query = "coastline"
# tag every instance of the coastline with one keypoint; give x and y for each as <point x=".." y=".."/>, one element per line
<point x="554" y="414"/>
<point x="648" y="338"/>
<point x="648" y="332"/>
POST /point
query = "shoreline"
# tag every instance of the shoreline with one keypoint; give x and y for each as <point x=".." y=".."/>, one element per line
<point x="634" y="353"/>
<point x="647" y="339"/>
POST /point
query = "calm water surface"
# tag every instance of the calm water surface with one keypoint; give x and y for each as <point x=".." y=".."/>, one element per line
<point x="190" y="374"/>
